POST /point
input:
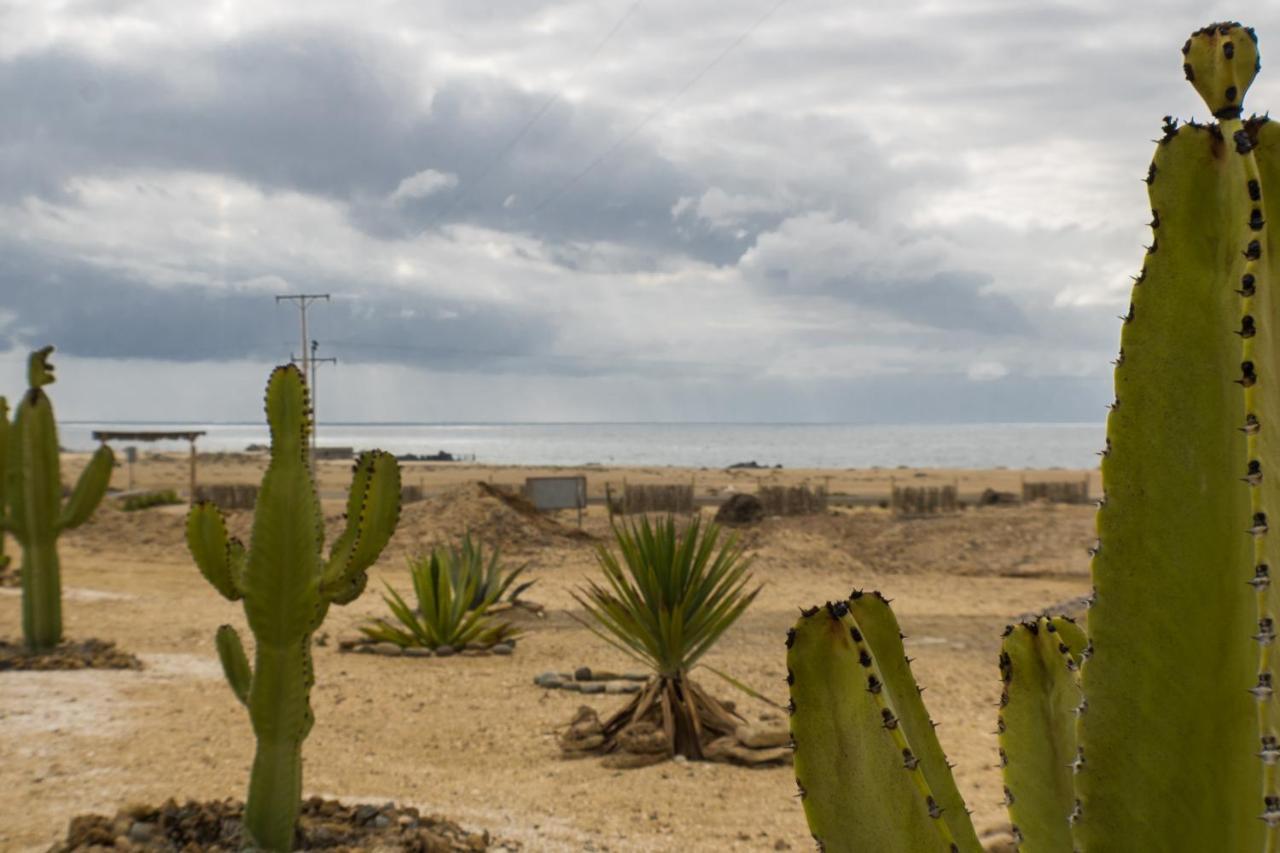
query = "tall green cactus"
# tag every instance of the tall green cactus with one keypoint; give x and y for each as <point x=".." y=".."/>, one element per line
<point x="1160" y="732"/>
<point x="33" y="509"/>
<point x="287" y="587"/>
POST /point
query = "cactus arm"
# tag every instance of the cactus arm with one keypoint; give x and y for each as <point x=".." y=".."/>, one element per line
<point x="235" y="664"/>
<point x="1037" y="728"/>
<point x="89" y="489"/>
<point x="861" y="784"/>
<point x="373" y="510"/>
<point x="219" y="558"/>
<point x="1173" y="616"/>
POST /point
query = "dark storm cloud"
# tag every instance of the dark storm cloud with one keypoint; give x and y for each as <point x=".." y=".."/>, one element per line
<point x="328" y="114"/>
<point x="94" y="313"/>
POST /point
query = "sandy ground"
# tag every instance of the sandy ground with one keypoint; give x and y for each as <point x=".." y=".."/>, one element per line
<point x="473" y="737"/>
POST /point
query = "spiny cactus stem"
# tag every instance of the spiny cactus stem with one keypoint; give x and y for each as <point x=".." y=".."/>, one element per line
<point x="1255" y="230"/>
<point x="875" y="676"/>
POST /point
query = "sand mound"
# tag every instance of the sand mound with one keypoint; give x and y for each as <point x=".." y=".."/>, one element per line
<point x="493" y="516"/>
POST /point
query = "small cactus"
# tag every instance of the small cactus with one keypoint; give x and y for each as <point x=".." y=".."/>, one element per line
<point x="287" y="586"/>
<point x="1159" y="730"/>
<point x="31" y="499"/>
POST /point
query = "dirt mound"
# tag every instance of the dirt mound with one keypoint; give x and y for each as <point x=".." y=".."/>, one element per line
<point x="493" y="516"/>
<point x="216" y="826"/>
<point x="86" y="654"/>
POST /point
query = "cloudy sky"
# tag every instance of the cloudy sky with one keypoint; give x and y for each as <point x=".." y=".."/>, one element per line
<point x="807" y="210"/>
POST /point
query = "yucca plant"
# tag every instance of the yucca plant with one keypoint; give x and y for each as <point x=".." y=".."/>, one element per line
<point x="667" y="600"/>
<point x="454" y="597"/>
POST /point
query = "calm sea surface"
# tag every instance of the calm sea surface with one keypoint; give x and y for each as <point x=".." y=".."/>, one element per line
<point x="693" y="445"/>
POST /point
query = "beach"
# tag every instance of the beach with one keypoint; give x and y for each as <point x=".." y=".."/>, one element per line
<point x="473" y="738"/>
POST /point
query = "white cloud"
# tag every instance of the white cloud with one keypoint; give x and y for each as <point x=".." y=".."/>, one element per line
<point x="422" y="184"/>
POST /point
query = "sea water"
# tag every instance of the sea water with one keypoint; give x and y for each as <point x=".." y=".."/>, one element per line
<point x="711" y="445"/>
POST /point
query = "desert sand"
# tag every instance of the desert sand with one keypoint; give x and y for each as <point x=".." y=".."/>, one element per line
<point x="473" y="738"/>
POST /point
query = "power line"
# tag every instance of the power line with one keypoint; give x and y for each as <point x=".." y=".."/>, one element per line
<point x="538" y="114"/>
<point x="693" y="81"/>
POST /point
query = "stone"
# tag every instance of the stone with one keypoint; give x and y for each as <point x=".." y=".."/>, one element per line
<point x="140" y="832"/>
<point x="417" y="652"/>
<point x="445" y="651"/>
<point x="762" y="737"/>
<point x="502" y="649"/>
<point x="582" y="673"/>
<point x="388" y="649"/>
<point x="591" y="687"/>
<point x="549" y="680"/>
<point x="617" y="687"/>
<point x="740" y="510"/>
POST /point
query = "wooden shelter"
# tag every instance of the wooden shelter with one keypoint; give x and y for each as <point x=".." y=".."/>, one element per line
<point x="105" y="435"/>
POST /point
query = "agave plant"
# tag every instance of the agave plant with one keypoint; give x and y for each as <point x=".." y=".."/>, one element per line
<point x="492" y="580"/>
<point x="665" y="603"/>
<point x="455" y="588"/>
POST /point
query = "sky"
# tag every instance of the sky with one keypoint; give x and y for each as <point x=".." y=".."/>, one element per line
<point x="587" y="210"/>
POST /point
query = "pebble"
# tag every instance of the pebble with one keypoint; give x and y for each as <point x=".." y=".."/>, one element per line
<point x="616" y="687"/>
<point x="417" y="652"/>
<point x="502" y="649"/>
<point x="382" y="821"/>
<point x="445" y="651"/>
<point x="591" y="687"/>
<point x="582" y="673"/>
<point x="141" y="831"/>
<point x="389" y="649"/>
<point x="549" y="680"/>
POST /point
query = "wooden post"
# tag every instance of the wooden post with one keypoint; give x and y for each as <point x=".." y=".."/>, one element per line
<point x="193" y="471"/>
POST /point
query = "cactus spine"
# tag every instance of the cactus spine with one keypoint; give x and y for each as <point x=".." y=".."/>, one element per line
<point x="34" y="512"/>
<point x="1169" y="737"/>
<point x="287" y="587"/>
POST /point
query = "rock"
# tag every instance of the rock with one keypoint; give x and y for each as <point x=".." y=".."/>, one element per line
<point x="388" y="649"/>
<point x="635" y="676"/>
<point x="632" y="760"/>
<point x="575" y="686"/>
<point x="365" y="649"/>
<point x="582" y="673"/>
<point x="591" y="687"/>
<point x="382" y="821"/>
<point x="740" y="510"/>
<point x="727" y="748"/>
<point x="349" y="643"/>
<point x="644" y="738"/>
<point x="140" y="832"/>
<point x="365" y="813"/>
<point x="445" y="651"/>
<point x="762" y="737"/>
<point x="502" y="649"/>
<point x="417" y="652"/>
<point x="549" y="680"/>
<point x="603" y="675"/>
<point x="616" y="687"/>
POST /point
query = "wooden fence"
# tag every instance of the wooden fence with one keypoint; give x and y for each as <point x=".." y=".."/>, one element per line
<point x="656" y="498"/>
<point x="229" y="495"/>
<point x="1060" y="492"/>
<point x="924" y="500"/>
<point x="792" y="500"/>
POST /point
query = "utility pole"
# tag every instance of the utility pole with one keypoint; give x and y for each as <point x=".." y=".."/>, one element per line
<point x="304" y="300"/>
<point x="311" y="384"/>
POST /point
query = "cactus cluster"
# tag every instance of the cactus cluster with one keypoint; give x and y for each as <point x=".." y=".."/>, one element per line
<point x="287" y="586"/>
<point x="1159" y="731"/>
<point x="33" y="510"/>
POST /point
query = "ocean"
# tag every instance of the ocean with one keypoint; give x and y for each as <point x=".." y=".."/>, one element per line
<point x="711" y="445"/>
